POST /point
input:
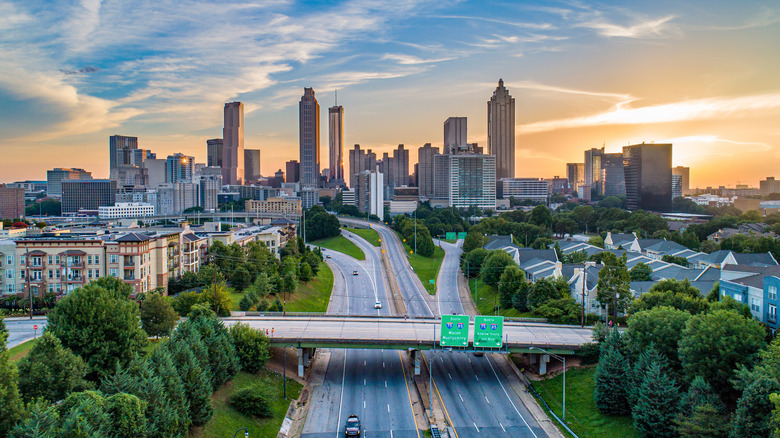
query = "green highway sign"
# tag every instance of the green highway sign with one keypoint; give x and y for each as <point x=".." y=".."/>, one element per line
<point x="450" y="235"/>
<point x="432" y="281"/>
<point x="488" y="331"/>
<point x="461" y="235"/>
<point x="454" y="331"/>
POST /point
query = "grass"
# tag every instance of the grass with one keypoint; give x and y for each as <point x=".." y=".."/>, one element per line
<point x="314" y="295"/>
<point x="582" y="416"/>
<point x="20" y="351"/>
<point x="340" y="244"/>
<point x="486" y="298"/>
<point x="235" y="297"/>
<point x="426" y="268"/>
<point x="226" y="420"/>
<point x="370" y="235"/>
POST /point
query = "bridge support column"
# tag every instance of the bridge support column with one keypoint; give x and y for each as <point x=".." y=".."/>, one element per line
<point x="543" y="359"/>
<point x="532" y="358"/>
<point x="416" y="355"/>
<point x="301" y="362"/>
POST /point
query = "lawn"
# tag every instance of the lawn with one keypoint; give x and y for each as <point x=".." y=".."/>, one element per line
<point x="226" y="420"/>
<point x="582" y="416"/>
<point x="486" y="298"/>
<point x="18" y="352"/>
<point x="426" y="268"/>
<point x="340" y="244"/>
<point x="314" y="295"/>
<point x="370" y="235"/>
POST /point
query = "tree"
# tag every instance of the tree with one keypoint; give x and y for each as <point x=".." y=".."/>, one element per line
<point x="10" y="402"/>
<point x="513" y="288"/>
<point x="254" y="401"/>
<point x="705" y="421"/>
<point x="713" y="345"/>
<point x="425" y="246"/>
<point x="306" y="274"/>
<point x="40" y="421"/>
<point x="289" y="282"/>
<point x="682" y="261"/>
<point x="474" y="239"/>
<point x="714" y="294"/>
<point x="541" y="292"/>
<point x="221" y="354"/>
<point x="241" y="278"/>
<point x="184" y="301"/>
<point x="753" y="415"/>
<point x="51" y="371"/>
<point x="661" y="327"/>
<point x="83" y="414"/>
<point x="252" y="347"/>
<point x="157" y="315"/>
<point x="320" y="224"/>
<point x="560" y="311"/>
<point x="597" y="241"/>
<point x="646" y="359"/>
<point x="220" y="293"/>
<point x="126" y="413"/>
<point x="677" y="300"/>
<point x="641" y="272"/>
<point x="195" y="380"/>
<point x="613" y="284"/>
<point x="494" y="266"/>
<point x="541" y="216"/>
<point x="161" y="365"/>
<point x="100" y="325"/>
<point x="473" y="260"/>
<point x="611" y="377"/>
<point x="656" y="406"/>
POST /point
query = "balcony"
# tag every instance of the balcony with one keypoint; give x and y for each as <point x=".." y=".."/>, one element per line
<point x="129" y="277"/>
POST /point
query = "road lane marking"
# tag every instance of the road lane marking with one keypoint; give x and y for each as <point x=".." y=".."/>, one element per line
<point x="383" y="364"/>
<point x="461" y="397"/>
<point x="385" y="383"/>
<point x="364" y="404"/>
<point x="475" y="426"/>
<point x="449" y="375"/>
<point x="486" y="399"/>
<point x="409" y="394"/>
<point x="476" y="377"/>
<point x="341" y="399"/>
<point x="502" y="426"/>
<point x="509" y="398"/>
<point x="388" y="409"/>
<point x="364" y="382"/>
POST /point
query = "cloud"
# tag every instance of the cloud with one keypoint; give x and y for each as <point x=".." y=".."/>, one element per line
<point x="623" y="114"/>
<point x="644" y="29"/>
<point x="81" y="70"/>
<point x="413" y="60"/>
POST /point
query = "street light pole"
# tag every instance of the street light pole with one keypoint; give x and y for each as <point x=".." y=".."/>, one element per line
<point x="246" y="432"/>
<point x="284" y="370"/>
<point x="561" y="358"/>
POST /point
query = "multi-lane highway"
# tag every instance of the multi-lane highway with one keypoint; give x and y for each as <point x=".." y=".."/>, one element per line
<point x="372" y="384"/>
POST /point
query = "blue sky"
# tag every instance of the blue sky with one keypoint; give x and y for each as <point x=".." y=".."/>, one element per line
<point x="703" y="74"/>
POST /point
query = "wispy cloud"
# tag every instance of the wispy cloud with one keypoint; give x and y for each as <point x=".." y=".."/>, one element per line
<point x="414" y="60"/>
<point x="652" y="28"/>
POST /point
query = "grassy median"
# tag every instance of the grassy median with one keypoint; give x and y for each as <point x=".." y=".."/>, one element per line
<point x="340" y="244"/>
<point x="18" y="352"/>
<point x="370" y="235"/>
<point x="314" y="295"/>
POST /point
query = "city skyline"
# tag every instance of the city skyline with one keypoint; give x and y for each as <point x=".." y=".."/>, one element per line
<point x="583" y="75"/>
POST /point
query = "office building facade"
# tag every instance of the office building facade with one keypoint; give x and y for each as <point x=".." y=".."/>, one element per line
<point x="359" y="161"/>
<point x="293" y="171"/>
<point x="425" y="156"/>
<point x="55" y="177"/>
<point x="214" y="152"/>
<point x="369" y="193"/>
<point x="685" y="178"/>
<point x="87" y="195"/>
<point x="592" y="167"/>
<point x="233" y="144"/>
<point x="676" y="186"/>
<point x="251" y="166"/>
<point x="534" y="189"/>
<point x="501" y="131"/>
<point x="11" y="202"/>
<point x="767" y="186"/>
<point x="118" y="148"/>
<point x="309" y="138"/>
<point x="612" y="181"/>
<point x="465" y="180"/>
<point x="336" y="143"/>
<point x="648" y="176"/>
<point x="455" y="131"/>
<point x="575" y="173"/>
<point x="179" y="168"/>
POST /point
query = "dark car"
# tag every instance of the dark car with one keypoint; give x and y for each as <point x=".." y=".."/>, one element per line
<point x="352" y="427"/>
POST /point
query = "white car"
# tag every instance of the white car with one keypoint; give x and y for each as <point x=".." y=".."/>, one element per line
<point x="378" y="305"/>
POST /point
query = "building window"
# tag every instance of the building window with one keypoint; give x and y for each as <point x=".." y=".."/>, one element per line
<point x="738" y="297"/>
<point x="772" y="312"/>
<point x="772" y="292"/>
<point x="9" y="288"/>
<point x="21" y="275"/>
<point x="59" y="273"/>
<point x="112" y="258"/>
<point x="51" y="274"/>
<point x="89" y="273"/>
<point x="114" y="272"/>
<point x="51" y="259"/>
<point x="9" y="274"/>
<point x="755" y="305"/>
<point x="97" y="273"/>
<point x="97" y="259"/>
<point x="89" y="259"/>
<point x="9" y="260"/>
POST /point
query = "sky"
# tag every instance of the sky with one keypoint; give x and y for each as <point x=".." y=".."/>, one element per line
<point x="701" y="74"/>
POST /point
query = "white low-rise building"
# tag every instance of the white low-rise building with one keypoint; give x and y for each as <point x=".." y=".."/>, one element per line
<point x="126" y="210"/>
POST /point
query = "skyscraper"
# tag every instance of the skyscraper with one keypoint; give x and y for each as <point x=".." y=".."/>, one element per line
<point x="501" y="131"/>
<point x="118" y="146"/>
<point x="309" y="131"/>
<point x="179" y="168"/>
<point x="233" y="144"/>
<point x="425" y="156"/>
<point x="88" y="194"/>
<point x="613" y="182"/>
<point x="251" y="165"/>
<point x="214" y="152"/>
<point x="465" y="180"/>
<point x="359" y="161"/>
<point x="592" y="166"/>
<point x="293" y="171"/>
<point x="575" y="173"/>
<point x="454" y="134"/>
<point x="336" y="140"/>
<point x="55" y="177"/>
<point x="401" y="166"/>
<point x="685" y="181"/>
<point x="648" y="174"/>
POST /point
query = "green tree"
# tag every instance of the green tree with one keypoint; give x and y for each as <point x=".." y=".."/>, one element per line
<point x="51" y="371"/>
<point x="646" y="360"/>
<point x="252" y="347"/>
<point x="513" y="288"/>
<point x="246" y="301"/>
<point x="222" y="297"/>
<point x="83" y="414"/>
<point x="678" y="300"/>
<point x="682" y="261"/>
<point x="210" y="274"/>
<point x="321" y="224"/>
<point x="656" y="406"/>
<point x="40" y="421"/>
<point x="223" y="360"/>
<point x="306" y="273"/>
<point x="596" y="241"/>
<point x="542" y="291"/>
<point x="713" y="345"/>
<point x="184" y="301"/>
<point x="561" y="311"/>
<point x="157" y="315"/>
<point x="661" y="327"/>
<point x="473" y="260"/>
<point x="753" y="415"/>
<point x="612" y="374"/>
<point x="641" y="272"/>
<point x="541" y="216"/>
<point x="162" y="366"/>
<point x="10" y="402"/>
<point x="474" y="240"/>
<point x="195" y="380"/>
<point x="714" y="293"/>
<point x="254" y="401"/>
<point x="494" y="266"/>
<point x="100" y="325"/>
<point x="126" y="413"/>
<point x="705" y="421"/>
<point x="241" y="278"/>
<point x="613" y="284"/>
<point x="728" y="303"/>
<point x="290" y="282"/>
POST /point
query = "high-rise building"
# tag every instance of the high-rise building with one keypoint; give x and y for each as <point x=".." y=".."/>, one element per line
<point x="87" y="194"/>
<point x="648" y="174"/>
<point x="174" y="198"/>
<point x="454" y="134"/>
<point x="309" y="132"/>
<point x="592" y="167"/>
<point x="400" y="166"/>
<point x="336" y="142"/>
<point x="369" y="193"/>
<point x="209" y="187"/>
<point x="613" y="181"/>
<point x="11" y="202"/>
<point x="293" y="171"/>
<point x="156" y="172"/>
<point x="676" y="186"/>
<point x="425" y="156"/>
<point x="251" y="165"/>
<point x="685" y="181"/>
<point x="575" y="173"/>
<point x="534" y="189"/>
<point x="465" y="180"/>
<point x="118" y="147"/>
<point x="359" y="161"/>
<point x="233" y="144"/>
<point x="179" y="168"/>
<point x="55" y="177"/>
<point x="501" y="131"/>
<point x="214" y="152"/>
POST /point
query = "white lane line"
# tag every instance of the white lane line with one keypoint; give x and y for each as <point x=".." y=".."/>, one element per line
<point x="364" y="382"/>
<point x="383" y="364"/>
<point x="486" y="399"/>
<point x="341" y="399"/>
<point x="476" y="377"/>
<point x="509" y="398"/>
<point x="461" y="397"/>
<point x="388" y="408"/>
<point x="364" y="363"/>
<point x="502" y="426"/>
<point x="475" y="426"/>
<point x="385" y="383"/>
<point x="449" y="375"/>
<point x="364" y="404"/>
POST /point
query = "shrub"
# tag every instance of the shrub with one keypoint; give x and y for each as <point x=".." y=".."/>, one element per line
<point x="253" y="401"/>
<point x="251" y="346"/>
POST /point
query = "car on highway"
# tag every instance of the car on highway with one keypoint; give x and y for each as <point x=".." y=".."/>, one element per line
<point x="352" y="428"/>
<point x="354" y="272"/>
<point x="327" y="256"/>
<point x="378" y="305"/>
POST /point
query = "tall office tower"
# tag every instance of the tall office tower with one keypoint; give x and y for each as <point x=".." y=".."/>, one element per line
<point x="155" y="170"/>
<point x="55" y="177"/>
<point x="233" y="144"/>
<point x="251" y="165"/>
<point x="369" y="193"/>
<point x="575" y="173"/>
<point x="209" y="187"/>
<point x="118" y="146"/>
<point x="592" y="167"/>
<point x="11" y="202"/>
<point x="293" y="171"/>
<point x="613" y="182"/>
<point x="179" y="168"/>
<point x="501" y="131"/>
<point x="214" y="152"/>
<point x="465" y="180"/>
<point x="359" y="161"/>
<point x="309" y="132"/>
<point x="685" y="181"/>
<point x="87" y="194"/>
<point x="425" y="156"/>
<point x="648" y="173"/>
<point x="454" y="134"/>
<point x="401" y="166"/>
<point x="676" y="185"/>
<point x="336" y="142"/>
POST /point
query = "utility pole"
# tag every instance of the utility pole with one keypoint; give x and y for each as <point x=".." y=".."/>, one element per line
<point x="584" y="285"/>
<point x="415" y="231"/>
<point x="214" y="269"/>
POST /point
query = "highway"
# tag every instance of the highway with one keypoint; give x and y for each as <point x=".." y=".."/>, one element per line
<point x="369" y="383"/>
